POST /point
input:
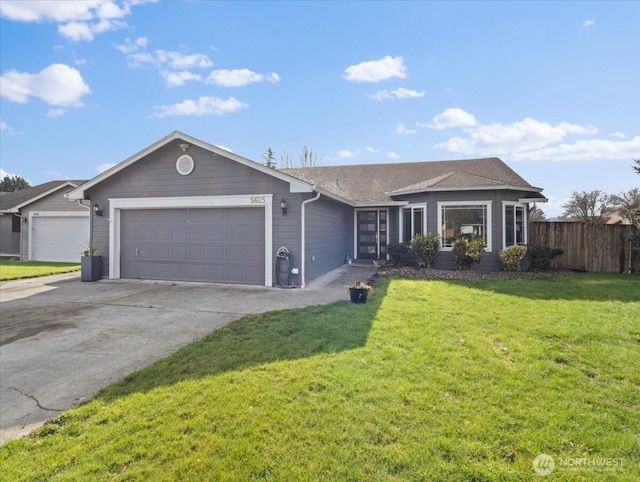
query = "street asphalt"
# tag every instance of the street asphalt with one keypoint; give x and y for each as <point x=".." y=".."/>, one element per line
<point x="62" y="340"/>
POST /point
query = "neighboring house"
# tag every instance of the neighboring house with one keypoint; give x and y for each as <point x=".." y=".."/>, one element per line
<point x="39" y="224"/>
<point x="183" y="209"/>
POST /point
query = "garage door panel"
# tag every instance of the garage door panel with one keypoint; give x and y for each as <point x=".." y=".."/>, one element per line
<point x="59" y="238"/>
<point x="211" y="244"/>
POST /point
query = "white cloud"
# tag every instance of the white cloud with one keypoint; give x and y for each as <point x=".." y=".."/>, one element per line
<point x="353" y="153"/>
<point x="200" y="106"/>
<point x="393" y="155"/>
<point x="524" y="135"/>
<point x="53" y="113"/>
<point x="132" y="46"/>
<point x="174" y="67"/>
<point x="176" y="60"/>
<point x="401" y="129"/>
<point x="588" y="23"/>
<point x="7" y="130"/>
<point x="376" y="70"/>
<point x="533" y="140"/>
<point x="583" y="150"/>
<point x="178" y="78"/>
<point x="160" y="58"/>
<point x="452" y="117"/>
<point x="346" y="154"/>
<point x="104" y="166"/>
<point x="76" y="31"/>
<point x="80" y="61"/>
<point x="57" y="84"/>
<point x="239" y="77"/>
<point x="399" y="93"/>
<point x="78" y="19"/>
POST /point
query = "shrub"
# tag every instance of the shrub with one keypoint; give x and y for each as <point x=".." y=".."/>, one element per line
<point x="512" y="256"/>
<point x="540" y="256"/>
<point x="398" y="253"/>
<point x="426" y="248"/>
<point x="467" y="250"/>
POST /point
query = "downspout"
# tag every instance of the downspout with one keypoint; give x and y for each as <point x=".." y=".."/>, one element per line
<point x="303" y="256"/>
<point x="79" y="203"/>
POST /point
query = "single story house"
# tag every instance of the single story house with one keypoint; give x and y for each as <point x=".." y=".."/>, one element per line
<point x="183" y="209"/>
<point x="39" y="224"/>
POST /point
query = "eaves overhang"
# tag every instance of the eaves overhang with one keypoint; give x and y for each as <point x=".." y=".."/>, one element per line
<point x="507" y="187"/>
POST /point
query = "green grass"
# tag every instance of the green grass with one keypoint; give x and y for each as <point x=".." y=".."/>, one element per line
<point x="30" y="269"/>
<point x="428" y="381"/>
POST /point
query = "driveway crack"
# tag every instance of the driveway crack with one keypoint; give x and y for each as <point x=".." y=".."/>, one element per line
<point x="36" y="400"/>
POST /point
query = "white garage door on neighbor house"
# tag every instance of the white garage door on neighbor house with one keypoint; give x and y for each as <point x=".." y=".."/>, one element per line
<point x="58" y="236"/>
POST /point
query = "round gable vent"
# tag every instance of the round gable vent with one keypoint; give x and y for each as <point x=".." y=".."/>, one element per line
<point x="184" y="165"/>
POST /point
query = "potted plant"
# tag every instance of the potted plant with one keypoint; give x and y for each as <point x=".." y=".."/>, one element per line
<point x="359" y="292"/>
<point x="91" y="263"/>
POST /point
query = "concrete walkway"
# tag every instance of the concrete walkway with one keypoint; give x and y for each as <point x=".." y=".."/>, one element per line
<point x="62" y="340"/>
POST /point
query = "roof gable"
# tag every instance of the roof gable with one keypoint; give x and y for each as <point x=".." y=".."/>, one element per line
<point x="296" y="185"/>
<point x="14" y="201"/>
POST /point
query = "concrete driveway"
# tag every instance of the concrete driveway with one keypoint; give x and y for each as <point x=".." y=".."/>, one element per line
<point x="62" y="340"/>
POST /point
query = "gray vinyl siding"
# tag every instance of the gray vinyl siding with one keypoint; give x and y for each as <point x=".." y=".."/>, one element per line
<point x="213" y="175"/>
<point x="9" y="241"/>
<point x="53" y="202"/>
<point x="490" y="260"/>
<point x="328" y="235"/>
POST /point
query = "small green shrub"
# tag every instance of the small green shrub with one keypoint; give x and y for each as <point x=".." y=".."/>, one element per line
<point x="467" y="250"/>
<point x="426" y="248"/>
<point x="540" y="256"/>
<point x="398" y="253"/>
<point x="512" y="256"/>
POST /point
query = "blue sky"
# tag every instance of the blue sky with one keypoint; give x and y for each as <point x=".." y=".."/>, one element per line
<point x="552" y="88"/>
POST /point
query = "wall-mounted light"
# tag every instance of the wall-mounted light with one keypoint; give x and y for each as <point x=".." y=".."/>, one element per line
<point x="24" y="220"/>
<point x="184" y="147"/>
<point x="283" y="206"/>
<point x="96" y="209"/>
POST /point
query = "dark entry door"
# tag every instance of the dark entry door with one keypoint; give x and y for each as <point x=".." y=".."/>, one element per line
<point x="372" y="233"/>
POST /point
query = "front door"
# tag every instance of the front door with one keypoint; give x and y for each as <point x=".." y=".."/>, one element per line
<point x="372" y="233"/>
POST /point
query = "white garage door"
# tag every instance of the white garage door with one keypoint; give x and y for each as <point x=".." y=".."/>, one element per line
<point x="58" y="237"/>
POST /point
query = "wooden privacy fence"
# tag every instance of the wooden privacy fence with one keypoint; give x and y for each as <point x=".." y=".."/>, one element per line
<point x="606" y="248"/>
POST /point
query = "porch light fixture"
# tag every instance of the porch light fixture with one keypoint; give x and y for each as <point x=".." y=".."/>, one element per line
<point x="97" y="210"/>
<point x="283" y="206"/>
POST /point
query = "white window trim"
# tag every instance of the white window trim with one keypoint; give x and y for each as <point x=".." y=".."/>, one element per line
<point x="50" y="214"/>
<point x="424" y="219"/>
<point x="525" y="207"/>
<point x="488" y="204"/>
<point x="355" y="228"/>
<point x="116" y="205"/>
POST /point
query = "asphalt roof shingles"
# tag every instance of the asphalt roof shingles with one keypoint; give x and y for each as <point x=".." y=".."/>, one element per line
<point x="12" y="199"/>
<point x="371" y="183"/>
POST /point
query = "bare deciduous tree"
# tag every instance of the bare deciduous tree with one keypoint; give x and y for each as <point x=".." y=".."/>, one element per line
<point x="536" y="214"/>
<point x="628" y="203"/>
<point x="637" y="166"/>
<point x="307" y="158"/>
<point x="589" y="207"/>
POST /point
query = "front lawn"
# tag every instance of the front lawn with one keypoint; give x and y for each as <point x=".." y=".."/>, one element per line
<point x="430" y="380"/>
<point x="30" y="269"/>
